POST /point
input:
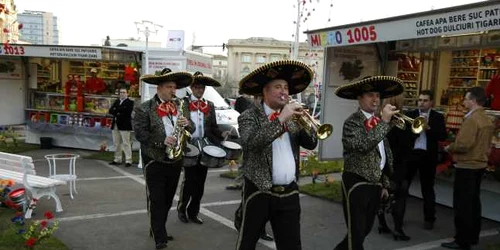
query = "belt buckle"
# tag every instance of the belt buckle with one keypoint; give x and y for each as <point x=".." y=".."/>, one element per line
<point x="278" y="189"/>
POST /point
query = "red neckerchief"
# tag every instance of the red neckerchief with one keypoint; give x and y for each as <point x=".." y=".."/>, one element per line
<point x="274" y="115"/>
<point x="199" y="105"/>
<point x="166" y="108"/>
<point x="371" y="123"/>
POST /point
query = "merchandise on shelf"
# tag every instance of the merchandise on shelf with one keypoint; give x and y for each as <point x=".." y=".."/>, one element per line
<point x="409" y="72"/>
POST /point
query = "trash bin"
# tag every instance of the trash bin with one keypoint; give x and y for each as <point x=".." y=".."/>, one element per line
<point x="45" y="142"/>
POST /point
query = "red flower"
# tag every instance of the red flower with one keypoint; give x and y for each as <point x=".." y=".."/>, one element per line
<point x="43" y="224"/>
<point x="30" y="242"/>
<point x="48" y="215"/>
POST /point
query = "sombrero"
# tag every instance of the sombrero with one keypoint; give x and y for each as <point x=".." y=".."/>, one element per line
<point x="387" y="86"/>
<point x="199" y="78"/>
<point x="182" y="79"/>
<point x="297" y="74"/>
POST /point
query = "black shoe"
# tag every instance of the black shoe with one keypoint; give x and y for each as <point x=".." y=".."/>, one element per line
<point x="384" y="230"/>
<point x="127" y="165"/>
<point x="114" y="163"/>
<point x="196" y="219"/>
<point x="400" y="235"/>
<point x="162" y="245"/>
<point x="170" y="237"/>
<point x="454" y="245"/>
<point x="182" y="217"/>
<point x="266" y="236"/>
<point x="428" y="225"/>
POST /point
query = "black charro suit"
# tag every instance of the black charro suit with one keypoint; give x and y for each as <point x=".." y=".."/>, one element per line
<point x="193" y="185"/>
<point x="425" y="161"/>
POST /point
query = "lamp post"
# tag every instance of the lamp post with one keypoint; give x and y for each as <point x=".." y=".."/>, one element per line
<point x="145" y="27"/>
<point x="295" y="51"/>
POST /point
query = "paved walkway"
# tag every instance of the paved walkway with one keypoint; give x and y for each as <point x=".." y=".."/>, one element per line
<point x="109" y="213"/>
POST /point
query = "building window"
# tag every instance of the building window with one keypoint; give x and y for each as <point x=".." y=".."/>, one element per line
<point x="261" y="58"/>
<point x="275" y="58"/>
<point x="246" y="58"/>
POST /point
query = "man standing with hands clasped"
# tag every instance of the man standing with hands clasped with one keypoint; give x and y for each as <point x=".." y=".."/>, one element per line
<point x="122" y="126"/>
<point x="470" y="151"/>
<point x="367" y="155"/>
<point x="155" y="124"/>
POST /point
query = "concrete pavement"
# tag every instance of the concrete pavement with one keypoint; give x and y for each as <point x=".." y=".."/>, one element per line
<point x="109" y="212"/>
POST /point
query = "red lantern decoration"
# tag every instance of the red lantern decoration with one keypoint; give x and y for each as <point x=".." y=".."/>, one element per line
<point x="20" y="26"/>
<point x="5" y="30"/>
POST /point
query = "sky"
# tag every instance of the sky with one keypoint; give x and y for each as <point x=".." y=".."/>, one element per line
<point x="213" y="22"/>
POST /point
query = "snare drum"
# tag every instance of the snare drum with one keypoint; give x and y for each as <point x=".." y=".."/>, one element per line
<point x="213" y="157"/>
<point x="233" y="150"/>
<point x="191" y="155"/>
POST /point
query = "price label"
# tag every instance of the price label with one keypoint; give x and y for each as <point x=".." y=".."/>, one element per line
<point x="13" y="50"/>
<point x="361" y="34"/>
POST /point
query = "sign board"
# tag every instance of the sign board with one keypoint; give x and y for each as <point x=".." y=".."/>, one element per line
<point x="466" y="21"/>
<point x="341" y="63"/>
<point x="198" y="63"/>
<point x="51" y="51"/>
<point x="155" y="65"/>
<point x="175" y="39"/>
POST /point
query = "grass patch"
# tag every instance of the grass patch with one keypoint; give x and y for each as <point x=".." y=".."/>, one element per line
<point x="330" y="191"/>
<point x="229" y="174"/>
<point x="10" y="240"/>
<point x="21" y="147"/>
<point x="323" y="167"/>
<point x="109" y="156"/>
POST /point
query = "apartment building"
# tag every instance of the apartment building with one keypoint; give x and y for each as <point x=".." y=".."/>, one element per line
<point x="39" y="27"/>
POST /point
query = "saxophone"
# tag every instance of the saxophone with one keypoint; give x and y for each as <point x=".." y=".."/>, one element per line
<point x="175" y="152"/>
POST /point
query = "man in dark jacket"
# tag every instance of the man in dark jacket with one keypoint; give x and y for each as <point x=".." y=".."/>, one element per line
<point x="242" y="103"/>
<point x="424" y="156"/>
<point x="122" y="126"/>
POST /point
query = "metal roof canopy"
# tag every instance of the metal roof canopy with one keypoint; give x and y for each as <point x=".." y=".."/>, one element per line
<point x="402" y="27"/>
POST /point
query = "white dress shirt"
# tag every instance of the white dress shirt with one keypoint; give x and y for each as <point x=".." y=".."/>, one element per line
<point x="381" y="148"/>
<point x="283" y="160"/>
<point x="198" y="118"/>
<point x="421" y="141"/>
<point x="168" y="122"/>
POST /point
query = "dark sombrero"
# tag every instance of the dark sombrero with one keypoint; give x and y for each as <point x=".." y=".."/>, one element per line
<point x="199" y="78"/>
<point x="181" y="79"/>
<point x="297" y="74"/>
<point x="387" y="86"/>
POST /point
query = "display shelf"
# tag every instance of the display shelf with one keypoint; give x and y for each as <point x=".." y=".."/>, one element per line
<point x="409" y="72"/>
<point x="108" y="71"/>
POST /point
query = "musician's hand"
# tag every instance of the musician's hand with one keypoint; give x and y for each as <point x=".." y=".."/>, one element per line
<point x="384" y="194"/>
<point x="289" y="111"/>
<point x="170" y="141"/>
<point x="182" y="121"/>
<point x="387" y="112"/>
<point x="226" y="133"/>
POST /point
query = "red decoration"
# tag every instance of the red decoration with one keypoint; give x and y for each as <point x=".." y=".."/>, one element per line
<point x="30" y="242"/>
<point x="166" y="108"/>
<point x="48" y="215"/>
<point x="5" y="30"/>
<point x="199" y="105"/>
<point x="20" y="26"/>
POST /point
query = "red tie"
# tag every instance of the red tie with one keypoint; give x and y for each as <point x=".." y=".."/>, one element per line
<point x="274" y="116"/>
<point x="166" y="108"/>
<point x="199" y="105"/>
<point x="371" y="123"/>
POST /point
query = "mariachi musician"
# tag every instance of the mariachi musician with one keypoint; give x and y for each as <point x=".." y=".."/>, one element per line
<point x="158" y="125"/>
<point x="202" y="113"/>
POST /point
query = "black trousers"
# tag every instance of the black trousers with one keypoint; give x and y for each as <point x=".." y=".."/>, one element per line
<point x="467" y="205"/>
<point x="400" y="190"/>
<point x="361" y="201"/>
<point x="425" y="164"/>
<point x="161" y="183"/>
<point x="282" y="209"/>
<point x="192" y="189"/>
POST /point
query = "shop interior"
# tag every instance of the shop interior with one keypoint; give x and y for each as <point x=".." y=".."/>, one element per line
<point x="79" y="92"/>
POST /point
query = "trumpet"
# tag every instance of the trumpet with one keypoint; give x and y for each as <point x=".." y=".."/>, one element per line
<point x="307" y="122"/>
<point x="418" y="125"/>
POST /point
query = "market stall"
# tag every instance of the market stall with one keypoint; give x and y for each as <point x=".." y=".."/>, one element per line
<point x="446" y="50"/>
<point x="68" y="90"/>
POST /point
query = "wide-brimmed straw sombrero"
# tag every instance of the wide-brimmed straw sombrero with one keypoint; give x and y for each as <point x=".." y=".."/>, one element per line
<point x="199" y="78"/>
<point x="387" y="86"/>
<point x="182" y="79"/>
<point x="297" y="74"/>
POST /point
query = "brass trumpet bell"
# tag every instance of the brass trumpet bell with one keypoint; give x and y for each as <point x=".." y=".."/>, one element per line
<point x="307" y="122"/>
<point x="418" y="125"/>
